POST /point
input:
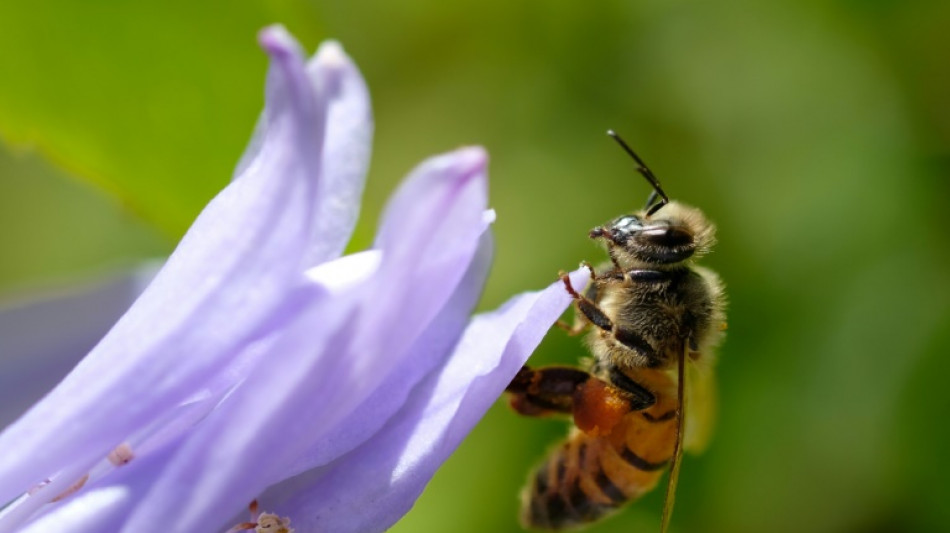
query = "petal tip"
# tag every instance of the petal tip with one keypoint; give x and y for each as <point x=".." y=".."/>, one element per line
<point x="470" y="159"/>
<point x="276" y="40"/>
<point x="331" y="54"/>
<point x="580" y="277"/>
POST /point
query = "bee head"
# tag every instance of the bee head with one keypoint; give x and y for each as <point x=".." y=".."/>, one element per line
<point x="663" y="233"/>
<point x="670" y="235"/>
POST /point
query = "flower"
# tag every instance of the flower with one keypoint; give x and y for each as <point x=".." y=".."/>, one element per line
<point x="261" y="364"/>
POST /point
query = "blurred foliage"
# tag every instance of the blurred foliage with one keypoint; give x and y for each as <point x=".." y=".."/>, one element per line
<point x="816" y="134"/>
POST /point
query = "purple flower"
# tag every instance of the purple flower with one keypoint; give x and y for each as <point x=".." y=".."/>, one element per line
<point x="261" y="364"/>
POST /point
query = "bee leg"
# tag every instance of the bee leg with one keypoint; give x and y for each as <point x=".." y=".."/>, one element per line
<point x="613" y="258"/>
<point x="574" y="329"/>
<point x="590" y="267"/>
<point x="544" y="391"/>
<point x="587" y="307"/>
<point x="640" y="397"/>
<point x="580" y="323"/>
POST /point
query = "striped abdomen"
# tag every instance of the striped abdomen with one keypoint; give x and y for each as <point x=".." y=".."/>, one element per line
<point x="586" y="478"/>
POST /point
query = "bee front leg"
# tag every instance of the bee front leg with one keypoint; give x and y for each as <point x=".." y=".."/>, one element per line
<point x="580" y="321"/>
<point x="574" y="329"/>
<point x="545" y="391"/>
<point x="600" y="233"/>
<point x="587" y="307"/>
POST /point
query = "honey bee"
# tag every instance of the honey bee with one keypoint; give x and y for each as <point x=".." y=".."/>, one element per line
<point x="655" y="318"/>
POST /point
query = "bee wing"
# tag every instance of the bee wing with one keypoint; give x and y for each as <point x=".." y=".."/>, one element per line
<point x="702" y="409"/>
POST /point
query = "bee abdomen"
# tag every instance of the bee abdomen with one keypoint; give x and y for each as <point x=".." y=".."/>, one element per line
<point x="583" y="480"/>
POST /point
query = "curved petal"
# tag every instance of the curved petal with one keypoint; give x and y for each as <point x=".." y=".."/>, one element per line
<point x="427" y="352"/>
<point x="243" y="252"/>
<point x="105" y="506"/>
<point x="91" y="512"/>
<point x="316" y="370"/>
<point x="418" y="274"/>
<point x="370" y="488"/>
<point x="344" y="156"/>
<point x="429" y="218"/>
<point x="43" y="338"/>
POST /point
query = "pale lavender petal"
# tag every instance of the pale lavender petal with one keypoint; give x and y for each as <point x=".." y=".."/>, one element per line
<point x="418" y="274"/>
<point x="324" y="363"/>
<point x="42" y="338"/>
<point x="341" y="276"/>
<point x="105" y="506"/>
<point x="18" y="512"/>
<point x="237" y="368"/>
<point x="344" y="156"/>
<point x="90" y="512"/>
<point x="222" y="286"/>
<point x="427" y="352"/>
<point x="230" y="456"/>
<point x="424" y="220"/>
<point x="254" y="147"/>
<point x="370" y="488"/>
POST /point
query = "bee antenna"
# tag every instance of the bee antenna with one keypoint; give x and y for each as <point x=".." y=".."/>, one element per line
<point x="648" y="174"/>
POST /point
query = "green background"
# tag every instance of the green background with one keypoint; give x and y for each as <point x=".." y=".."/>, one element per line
<point x="816" y="135"/>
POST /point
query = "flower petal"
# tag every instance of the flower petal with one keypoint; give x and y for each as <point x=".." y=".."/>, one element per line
<point x="425" y="220"/>
<point x="105" y="506"/>
<point x="344" y="156"/>
<point x="91" y="512"/>
<point x="42" y="339"/>
<point x="370" y="488"/>
<point x="427" y="352"/>
<point x="315" y="371"/>
<point x="243" y="253"/>
<point x="419" y="273"/>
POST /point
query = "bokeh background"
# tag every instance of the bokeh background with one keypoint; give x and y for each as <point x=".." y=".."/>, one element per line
<point x="816" y="134"/>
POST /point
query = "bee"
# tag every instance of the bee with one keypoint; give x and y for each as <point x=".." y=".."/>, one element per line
<point x="654" y="318"/>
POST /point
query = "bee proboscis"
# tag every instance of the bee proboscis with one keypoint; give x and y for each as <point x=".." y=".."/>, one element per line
<point x="655" y="317"/>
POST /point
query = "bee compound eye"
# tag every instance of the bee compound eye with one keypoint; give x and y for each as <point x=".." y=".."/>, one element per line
<point x="626" y="224"/>
<point x="669" y="236"/>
